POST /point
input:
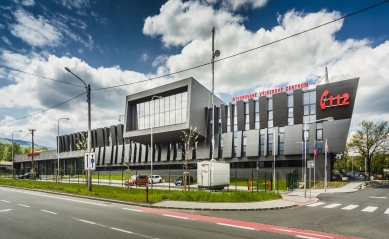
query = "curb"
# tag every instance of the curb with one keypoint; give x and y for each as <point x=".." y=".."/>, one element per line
<point x="152" y="206"/>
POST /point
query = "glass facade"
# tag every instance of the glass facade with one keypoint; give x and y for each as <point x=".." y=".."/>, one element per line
<point x="162" y="112"/>
<point x="309" y="105"/>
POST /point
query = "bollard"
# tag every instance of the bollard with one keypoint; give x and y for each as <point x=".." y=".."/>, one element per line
<point x="270" y="186"/>
<point x="248" y="184"/>
<point x="147" y="192"/>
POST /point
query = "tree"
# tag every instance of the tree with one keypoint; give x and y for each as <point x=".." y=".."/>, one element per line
<point x="371" y="140"/>
<point x="188" y="141"/>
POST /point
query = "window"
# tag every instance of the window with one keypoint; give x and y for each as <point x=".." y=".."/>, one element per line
<point x="235" y="118"/>
<point x="270" y="143"/>
<point x="246" y="116"/>
<point x="262" y="142"/>
<point x="244" y="143"/>
<point x="319" y="137"/>
<point x="256" y="114"/>
<point x="269" y="112"/>
<point x="281" y="140"/>
<point x="309" y="104"/>
<point x="234" y="144"/>
<point x="161" y="112"/>
<point x="228" y="117"/>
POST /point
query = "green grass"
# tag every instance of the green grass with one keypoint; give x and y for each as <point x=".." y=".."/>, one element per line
<point x="281" y="184"/>
<point x="138" y="195"/>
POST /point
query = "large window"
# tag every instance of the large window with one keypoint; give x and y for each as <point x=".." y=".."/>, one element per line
<point x="270" y="113"/>
<point x="161" y="112"/>
<point x="290" y="110"/>
<point x="235" y="118"/>
<point x="244" y="137"/>
<point x="256" y="114"/>
<point x="228" y="118"/>
<point x="246" y="116"/>
<point x="262" y="139"/>
<point x="281" y="140"/>
<point x="319" y="137"/>
<point x="309" y="104"/>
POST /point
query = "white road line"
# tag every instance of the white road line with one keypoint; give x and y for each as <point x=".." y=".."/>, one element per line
<point x="320" y="236"/>
<point x="332" y="205"/>
<point x="369" y="209"/>
<point x="5" y="201"/>
<point x="306" y="237"/>
<point x="130" y="209"/>
<point x="284" y="230"/>
<point x="315" y="204"/>
<point x="387" y="211"/>
<point x="230" y="225"/>
<point x="5" y="210"/>
<point x="379" y="197"/>
<point x="93" y="223"/>
<point x="350" y="207"/>
<point x="67" y="199"/>
<point x="48" y="211"/>
<point x="23" y="205"/>
<point x="120" y="230"/>
<point x="167" y="215"/>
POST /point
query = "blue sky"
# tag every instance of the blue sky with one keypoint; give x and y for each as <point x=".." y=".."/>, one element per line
<point x="115" y="42"/>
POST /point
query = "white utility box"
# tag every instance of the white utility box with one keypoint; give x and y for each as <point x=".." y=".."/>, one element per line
<point x="213" y="175"/>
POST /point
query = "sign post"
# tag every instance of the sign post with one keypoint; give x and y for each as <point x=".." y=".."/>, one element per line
<point x="310" y="165"/>
<point x="89" y="161"/>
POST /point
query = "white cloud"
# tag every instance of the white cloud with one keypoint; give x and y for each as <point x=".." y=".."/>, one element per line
<point x="237" y="4"/>
<point x="31" y="94"/>
<point x="159" y="60"/>
<point x="5" y="39"/>
<point x="144" y="57"/>
<point x="2" y="26"/>
<point x="79" y="4"/>
<point x="179" y="23"/>
<point x="35" y="31"/>
<point x="28" y="3"/>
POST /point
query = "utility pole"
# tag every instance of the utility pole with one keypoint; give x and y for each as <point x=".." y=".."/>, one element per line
<point x="214" y="54"/>
<point x="32" y="155"/>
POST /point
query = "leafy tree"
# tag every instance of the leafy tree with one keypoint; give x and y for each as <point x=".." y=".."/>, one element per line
<point x="371" y="141"/>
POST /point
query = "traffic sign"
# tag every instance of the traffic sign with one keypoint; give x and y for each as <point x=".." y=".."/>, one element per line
<point x="89" y="161"/>
<point x="310" y="164"/>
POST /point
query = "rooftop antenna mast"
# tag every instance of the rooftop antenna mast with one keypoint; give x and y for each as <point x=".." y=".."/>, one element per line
<point x="214" y="54"/>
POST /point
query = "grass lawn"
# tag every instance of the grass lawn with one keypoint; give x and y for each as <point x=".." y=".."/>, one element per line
<point x="138" y="195"/>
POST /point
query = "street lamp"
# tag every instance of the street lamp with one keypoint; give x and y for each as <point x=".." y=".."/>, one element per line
<point x="87" y="88"/>
<point x="58" y="145"/>
<point x="151" y="144"/>
<point x="274" y="157"/>
<point x="214" y="54"/>
<point x="305" y="153"/>
<point x="13" y="151"/>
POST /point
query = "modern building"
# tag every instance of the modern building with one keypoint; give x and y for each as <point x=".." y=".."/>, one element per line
<point x="251" y="131"/>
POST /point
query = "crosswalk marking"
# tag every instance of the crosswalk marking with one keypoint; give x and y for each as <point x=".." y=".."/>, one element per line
<point x="350" y="207"/>
<point x="315" y="204"/>
<point x="369" y="209"/>
<point x="387" y="211"/>
<point x="332" y="205"/>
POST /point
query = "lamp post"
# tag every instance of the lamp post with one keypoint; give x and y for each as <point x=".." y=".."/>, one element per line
<point x="214" y="54"/>
<point x="274" y="157"/>
<point x="13" y="151"/>
<point x="305" y="152"/>
<point x="87" y="88"/>
<point x="58" y="146"/>
<point x="151" y="143"/>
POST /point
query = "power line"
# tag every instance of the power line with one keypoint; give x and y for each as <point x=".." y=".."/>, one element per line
<point x="243" y="52"/>
<point x="43" y="110"/>
<point x="63" y="82"/>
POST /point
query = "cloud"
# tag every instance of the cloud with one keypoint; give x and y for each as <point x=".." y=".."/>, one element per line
<point x="159" y="60"/>
<point x="28" y="3"/>
<point x="2" y="26"/>
<point x="298" y="59"/>
<point x="36" y="32"/>
<point x="144" y="57"/>
<point x="237" y="4"/>
<point x="5" y="39"/>
<point x="79" y="4"/>
<point x="179" y="23"/>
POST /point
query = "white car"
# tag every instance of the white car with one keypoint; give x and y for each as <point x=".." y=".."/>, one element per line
<point x="155" y="179"/>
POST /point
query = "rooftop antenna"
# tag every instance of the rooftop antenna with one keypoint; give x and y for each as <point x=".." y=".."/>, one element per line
<point x="326" y="73"/>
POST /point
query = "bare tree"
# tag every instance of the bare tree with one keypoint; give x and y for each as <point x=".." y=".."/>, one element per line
<point x="370" y="140"/>
<point x="127" y="162"/>
<point x="188" y="142"/>
<point x="82" y="144"/>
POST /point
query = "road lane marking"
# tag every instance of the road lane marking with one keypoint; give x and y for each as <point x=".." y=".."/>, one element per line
<point x="332" y="205"/>
<point x="230" y="225"/>
<point x="93" y="223"/>
<point x="120" y="230"/>
<point x="49" y="196"/>
<point x="5" y="210"/>
<point x="387" y="211"/>
<point x="23" y="205"/>
<point x="167" y="215"/>
<point x="379" y="197"/>
<point x="315" y="204"/>
<point x="130" y="209"/>
<point x="6" y="201"/>
<point x="369" y="209"/>
<point x="48" y="211"/>
<point x="350" y="207"/>
<point x="306" y="237"/>
<point x="284" y="230"/>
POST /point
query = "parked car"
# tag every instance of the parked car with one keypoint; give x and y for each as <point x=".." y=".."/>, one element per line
<point x="28" y="175"/>
<point x="178" y="181"/>
<point x="138" y="180"/>
<point x="155" y="179"/>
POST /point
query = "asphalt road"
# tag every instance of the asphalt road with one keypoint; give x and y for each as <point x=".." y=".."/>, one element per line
<point x="29" y="214"/>
<point x="363" y="214"/>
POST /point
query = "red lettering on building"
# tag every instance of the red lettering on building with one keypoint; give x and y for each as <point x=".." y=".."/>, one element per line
<point x="339" y="100"/>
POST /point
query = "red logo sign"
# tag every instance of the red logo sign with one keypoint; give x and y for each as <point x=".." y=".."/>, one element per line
<point x="333" y="101"/>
